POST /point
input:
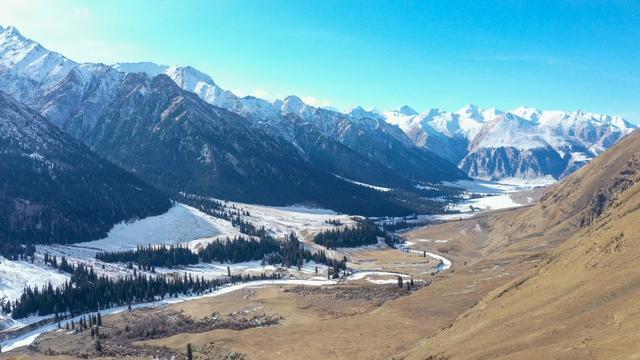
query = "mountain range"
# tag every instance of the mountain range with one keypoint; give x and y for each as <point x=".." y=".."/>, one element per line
<point x="491" y="144"/>
<point x="153" y="126"/>
<point x="189" y="134"/>
<point x="524" y="143"/>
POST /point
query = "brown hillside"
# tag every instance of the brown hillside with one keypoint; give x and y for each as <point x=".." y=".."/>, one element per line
<point x="583" y="302"/>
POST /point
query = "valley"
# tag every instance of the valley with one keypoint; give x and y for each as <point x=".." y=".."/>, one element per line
<point x="148" y="212"/>
<point x="376" y="266"/>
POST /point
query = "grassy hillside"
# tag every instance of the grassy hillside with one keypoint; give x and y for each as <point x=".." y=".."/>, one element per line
<point x="581" y="300"/>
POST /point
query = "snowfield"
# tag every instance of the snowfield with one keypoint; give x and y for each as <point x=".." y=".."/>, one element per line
<point x="493" y="195"/>
<point x="17" y="275"/>
<point x="181" y="224"/>
<point x="280" y="221"/>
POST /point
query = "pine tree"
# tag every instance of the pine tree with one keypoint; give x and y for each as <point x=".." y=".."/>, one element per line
<point x="400" y="282"/>
<point x="189" y="352"/>
<point x="99" y="319"/>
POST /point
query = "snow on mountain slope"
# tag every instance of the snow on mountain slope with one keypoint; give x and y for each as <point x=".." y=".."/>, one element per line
<point x="464" y="123"/>
<point x="147" y="67"/>
<point x="29" y="59"/>
<point x="26" y="66"/>
<point x="16" y="275"/>
<point x="401" y="117"/>
<point x="181" y="224"/>
<point x="598" y="131"/>
<point x="193" y="80"/>
<point x="523" y="143"/>
<point x="509" y="131"/>
<point x="80" y="98"/>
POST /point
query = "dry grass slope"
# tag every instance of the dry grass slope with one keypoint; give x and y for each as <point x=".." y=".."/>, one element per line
<point x="583" y="302"/>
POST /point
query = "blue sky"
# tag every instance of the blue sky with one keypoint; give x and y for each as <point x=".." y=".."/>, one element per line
<point x="547" y="54"/>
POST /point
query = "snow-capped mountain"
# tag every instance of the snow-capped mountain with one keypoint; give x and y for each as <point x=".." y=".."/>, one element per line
<point x="523" y="143"/>
<point x="197" y="137"/>
<point x="397" y="145"/>
<point x="447" y="134"/>
<point x="363" y="132"/>
<point x="600" y="131"/>
<point x="30" y="59"/>
<point x="485" y="143"/>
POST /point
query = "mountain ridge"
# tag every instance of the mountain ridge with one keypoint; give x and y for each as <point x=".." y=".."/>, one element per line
<point x="450" y="134"/>
<point x="88" y="100"/>
<point x="563" y="140"/>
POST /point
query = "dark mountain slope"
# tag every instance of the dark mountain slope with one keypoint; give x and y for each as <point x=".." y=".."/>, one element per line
<point x="176" y="141"/>
<point x="54" y="189"/>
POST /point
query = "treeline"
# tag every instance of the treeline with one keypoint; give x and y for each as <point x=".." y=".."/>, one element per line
<point x="364" y="233"/>
<point x="334" y="222"/>
<point x="222" y="210"/>
<point x="14" y="251"/>
<point x="239" y="249"/>
<point x="63" y="265"/>
<point x="205" y="204"/>
<point x="211" y="206"/>
<point x="88" y="292"/>
<point x="149" y="257"/>
<point x="290" y="253"/>
<point x="293" y="254"/>
<point x="80" y="201"/>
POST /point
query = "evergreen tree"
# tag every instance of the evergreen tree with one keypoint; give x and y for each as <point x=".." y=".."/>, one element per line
<point x="189" y="352"/>
<point x="364" y="233"/>
<point x="98" y="346"/>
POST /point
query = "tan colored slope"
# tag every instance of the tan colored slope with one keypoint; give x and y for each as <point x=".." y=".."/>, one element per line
<point x="569" y="205"/>
<point x="584" y="301"/>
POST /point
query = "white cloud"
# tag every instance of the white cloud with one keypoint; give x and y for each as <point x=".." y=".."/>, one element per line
<point x="239" y="92"/>
<point x="314" y="101"/>
<point x="82" y="12"/>
<point x="260" y="93"/>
